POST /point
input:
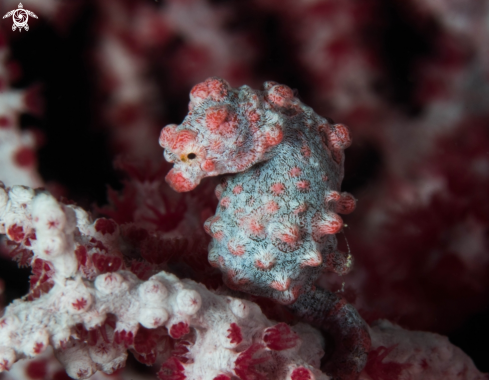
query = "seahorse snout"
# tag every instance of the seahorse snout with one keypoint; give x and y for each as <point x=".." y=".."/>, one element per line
<point x="182" y="182"/>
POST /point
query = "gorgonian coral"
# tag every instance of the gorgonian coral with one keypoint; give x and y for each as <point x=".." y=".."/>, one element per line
<point x="96" y="309"/>
<point x="91" y="301"/>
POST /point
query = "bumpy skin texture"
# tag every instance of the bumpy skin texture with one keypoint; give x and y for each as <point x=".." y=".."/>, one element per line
<point x="274" y="229"/>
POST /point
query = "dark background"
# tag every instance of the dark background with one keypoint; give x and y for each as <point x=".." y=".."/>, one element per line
<point x="75" y="152"/>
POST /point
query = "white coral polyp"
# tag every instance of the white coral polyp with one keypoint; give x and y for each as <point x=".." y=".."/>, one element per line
<point x="110" y="283"/>
<point x="152" y="318"/>
<point x="7" y="358"/>
<point x="153" y="291"/>
<point x="76" y="298"/>
<point x="51" y="246"/>
<point x="189" y="301"/>
<point x="77" y="361"/>
<point x="38" y="342"/>
<point x="239" y="308"/>
<point x="20" y="194"/>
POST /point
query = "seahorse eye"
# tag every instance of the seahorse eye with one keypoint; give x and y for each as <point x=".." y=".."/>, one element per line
<point x="191" y="156"/>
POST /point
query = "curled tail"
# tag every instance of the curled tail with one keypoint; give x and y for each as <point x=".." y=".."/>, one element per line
<point x="341" y="322"/>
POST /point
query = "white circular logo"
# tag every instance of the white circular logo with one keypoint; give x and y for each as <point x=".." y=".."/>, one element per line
<point x="20" y="16"/>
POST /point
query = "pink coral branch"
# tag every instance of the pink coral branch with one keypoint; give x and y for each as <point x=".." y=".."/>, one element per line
<point x="92" y="316"/>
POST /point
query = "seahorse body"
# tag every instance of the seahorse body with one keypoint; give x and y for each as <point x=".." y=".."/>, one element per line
<point x="274" y="229"/>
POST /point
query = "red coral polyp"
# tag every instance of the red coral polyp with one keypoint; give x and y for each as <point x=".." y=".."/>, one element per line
<point x="301" y="374"/>
<point x="179" y="329"/>
<point x="105" y="226"/>
<point x="16" y="233"/>
<point x="172" y="370"/>
<point x="248" y="362"/>
<point x="280" y="337"/>
<point x="235" y="334"/>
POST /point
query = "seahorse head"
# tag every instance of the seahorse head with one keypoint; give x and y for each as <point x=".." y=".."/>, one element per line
<point x="227" y="130"/>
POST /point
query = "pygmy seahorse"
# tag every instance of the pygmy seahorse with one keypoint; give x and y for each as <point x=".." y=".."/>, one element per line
<point x="274" y="228"/>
